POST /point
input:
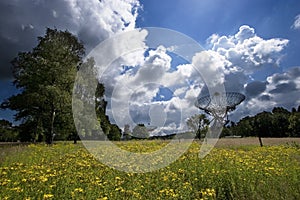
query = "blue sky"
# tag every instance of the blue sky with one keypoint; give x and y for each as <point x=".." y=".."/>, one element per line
<point x="265" y="65"/>
<point x="199" y="19"/>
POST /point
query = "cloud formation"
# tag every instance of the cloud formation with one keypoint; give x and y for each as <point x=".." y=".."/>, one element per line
<point x="137" y="92"/>
<point x="245" y="56"/>
<point x="247" y="51"/>
<point x="279" y="89"/>
<point x="92" y="21"/>
<point x="235" y="61"/>
<point x="296" y="24"/>
<point x="255" y="71"/>
<point x="242" y="59"/>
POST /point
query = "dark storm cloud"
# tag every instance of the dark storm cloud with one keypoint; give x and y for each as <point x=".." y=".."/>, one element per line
<point x="294" y="72"/>
<point x="13" y="37"/>
<point x="284" y="88"/>
<point x="279" y="77"/>
<point x="264" y="98"/>
<point x="234" y="82"/>
<point x="22" y="21"/>
<point x="291" y="74"/>
<point x="255" y="88"/>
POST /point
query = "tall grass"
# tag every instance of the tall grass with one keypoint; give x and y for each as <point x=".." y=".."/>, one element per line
<point x="67" y="171"/>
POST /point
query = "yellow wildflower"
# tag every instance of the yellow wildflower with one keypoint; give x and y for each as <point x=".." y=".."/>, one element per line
<point x="48" y="196"/>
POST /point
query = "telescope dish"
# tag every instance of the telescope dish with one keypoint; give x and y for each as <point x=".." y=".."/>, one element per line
<point x="218" y="105"/>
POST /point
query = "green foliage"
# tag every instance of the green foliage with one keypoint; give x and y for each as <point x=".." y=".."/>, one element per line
<point x="294" y="124"/>
<point x="45" y="77"/>
<point x="263" y="123"/>
<point x="88" y="98"/>
<point x="84" y="100"/>
<point x="278" y="123"/>
<point x="8" y="133"/>
<point x="199" y="125"/>
<point x="140" y="132"/>
<point x="244" y="127"/>
<point x="114" y="133"/>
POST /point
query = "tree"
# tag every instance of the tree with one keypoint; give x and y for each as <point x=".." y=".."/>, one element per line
<point x="280" y="122"/>
<point x="244" y="127"/>
<point x="294" y="124"/>
<point x="45" y="77"/>
<point x="140" y="132"/>
<point x="8" y="133"/>
<point x="199" y="125"/>
<point x="126" y="132"/>
<point x="262" y="125"/>
<point x="226" y="131"/>
<point x="88" y="98"/>
<point x="114" y="133"/>
<point x="85" y="101"/>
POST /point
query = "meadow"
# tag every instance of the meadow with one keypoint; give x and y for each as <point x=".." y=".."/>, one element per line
<point x="68" y="171"/>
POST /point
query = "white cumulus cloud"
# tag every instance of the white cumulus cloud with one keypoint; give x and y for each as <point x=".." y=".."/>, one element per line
<point x="233" y="61"/>
<point x="246" y="56"/>
<point x="246" y="50"/>
<point x="296" y="24"/>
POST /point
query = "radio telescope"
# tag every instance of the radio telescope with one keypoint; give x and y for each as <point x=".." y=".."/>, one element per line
<point x="219" y="104"/>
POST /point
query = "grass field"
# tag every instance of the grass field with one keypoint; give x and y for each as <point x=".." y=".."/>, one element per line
<point x="231" y="171"/>
<point x="225" y="142"/>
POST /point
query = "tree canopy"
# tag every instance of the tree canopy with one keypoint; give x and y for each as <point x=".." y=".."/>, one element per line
<point x="140" y="132"/>
<point x="278" y="123"/>
<point x="199" y="125"/>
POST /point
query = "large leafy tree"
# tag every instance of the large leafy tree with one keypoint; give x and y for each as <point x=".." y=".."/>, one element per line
<point x="88" y="98"/>
<point x="45" y="77"/>
<point x="84" y="100"/>
<point x="245" y="127"/>
<point x="280" y="122"/>
<point x="199" y="125"/>
<point x="140" y="132"/>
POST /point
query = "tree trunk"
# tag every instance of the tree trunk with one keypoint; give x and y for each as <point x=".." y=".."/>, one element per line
<point x="199" y="129"/>
<point x="51" y="131"/>
<point x="260" y="141"/>
<point x="75" y="138"/>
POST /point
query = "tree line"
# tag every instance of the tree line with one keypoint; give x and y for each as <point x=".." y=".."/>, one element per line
<point x="280" y="122"/>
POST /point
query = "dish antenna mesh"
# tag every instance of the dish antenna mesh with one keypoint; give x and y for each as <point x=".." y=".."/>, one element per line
<point x="219" y="104"/>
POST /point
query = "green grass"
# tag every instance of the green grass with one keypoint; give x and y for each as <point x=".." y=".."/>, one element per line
<point x="67" y="171"/>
